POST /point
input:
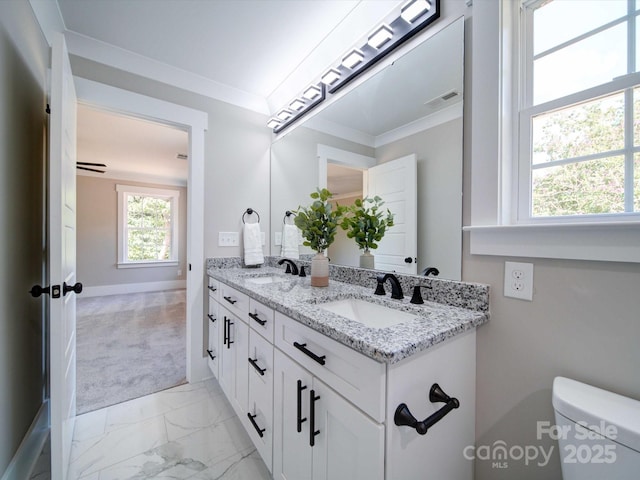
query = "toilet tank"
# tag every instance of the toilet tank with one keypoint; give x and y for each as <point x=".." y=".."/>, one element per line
<point x="598" y="432"/>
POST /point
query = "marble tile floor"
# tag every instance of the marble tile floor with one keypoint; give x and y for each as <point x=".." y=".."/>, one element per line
<point x="186" y="432"/>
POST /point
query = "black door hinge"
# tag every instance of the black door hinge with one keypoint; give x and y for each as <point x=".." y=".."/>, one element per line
<point x="189" y="267"/>
<point x="48" y="110"/>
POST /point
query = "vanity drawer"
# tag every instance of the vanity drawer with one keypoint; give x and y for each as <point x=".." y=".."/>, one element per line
<point x="235" y="301"/>
<point x="356" y="377"/>
<point x="261" y="319"/>
<point x="213" y="288"/>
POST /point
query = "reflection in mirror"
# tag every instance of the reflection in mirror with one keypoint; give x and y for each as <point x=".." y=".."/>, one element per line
<point x="413" y="107"/>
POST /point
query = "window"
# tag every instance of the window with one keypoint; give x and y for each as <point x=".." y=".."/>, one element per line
<point x="578" y="140"/>
<point x="147" y="226"/>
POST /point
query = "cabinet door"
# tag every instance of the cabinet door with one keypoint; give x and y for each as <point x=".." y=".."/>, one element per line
<point x="213" y="347"/>
<point x="348" y="443"/>
<point x="291" y="450"/>
<point x="239" y="336"/>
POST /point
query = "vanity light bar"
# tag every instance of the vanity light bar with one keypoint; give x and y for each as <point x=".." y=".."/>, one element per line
<point x="413" y="9"/>
<point x="382" y="35"/>
<point x="414" y="16"/>
<point x="299" y="106"/>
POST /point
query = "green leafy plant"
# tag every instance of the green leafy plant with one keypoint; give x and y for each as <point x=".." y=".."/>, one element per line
<point x="366" y="222"/>
<point x="319" y="221"/>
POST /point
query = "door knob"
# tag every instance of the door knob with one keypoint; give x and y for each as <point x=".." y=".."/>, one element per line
<point x="408" y="260"/>
<point x="37" y="290"/>
<point x="77" y="288"/>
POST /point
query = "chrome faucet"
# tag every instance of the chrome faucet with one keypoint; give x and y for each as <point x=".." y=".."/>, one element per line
<point x="292" y="268"/>
<point x="396" y="289"/>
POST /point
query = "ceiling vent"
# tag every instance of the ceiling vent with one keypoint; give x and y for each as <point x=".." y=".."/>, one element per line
<point x="439" y="101"/>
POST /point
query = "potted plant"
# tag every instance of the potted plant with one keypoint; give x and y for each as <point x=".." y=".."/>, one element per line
<point x="366" y="222"/>
<point x="318" y="223"/>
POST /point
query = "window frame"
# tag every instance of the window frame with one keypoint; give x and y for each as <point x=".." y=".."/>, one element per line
<point x="174" y="196"/>
<point x="522" y="25"/>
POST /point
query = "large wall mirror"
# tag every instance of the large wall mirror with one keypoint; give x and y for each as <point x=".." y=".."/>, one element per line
<point x="412" y="108"/>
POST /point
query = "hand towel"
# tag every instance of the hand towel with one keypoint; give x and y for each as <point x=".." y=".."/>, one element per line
<point x="290" y="242"/>
<point x="253" y="244"/>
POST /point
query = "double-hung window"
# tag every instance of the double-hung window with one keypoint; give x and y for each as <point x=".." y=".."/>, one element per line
<point x="578" y="114"/>
<point x="147" y="226"/>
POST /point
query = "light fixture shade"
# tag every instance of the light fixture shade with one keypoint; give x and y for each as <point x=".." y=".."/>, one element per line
<point x="330" y="76"/>
<point x="413" y="9"/>
<point x="379" y="37"/>
<point x="283" y="114"/>
<point x="297" y="104"/>
<point x="353" y="58"/>
<point x="312" y="92"/>
<point x="273" y="123"/>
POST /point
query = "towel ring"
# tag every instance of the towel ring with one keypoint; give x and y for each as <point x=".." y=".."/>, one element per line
<point x="287" y="214"/>
<point x="250" y="211"/>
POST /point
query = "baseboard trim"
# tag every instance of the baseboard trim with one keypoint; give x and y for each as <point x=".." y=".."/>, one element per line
<point x="29" y="450"/>
<point x="102" y="290"/>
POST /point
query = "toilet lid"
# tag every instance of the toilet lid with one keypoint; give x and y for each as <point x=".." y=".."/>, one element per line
<point x="580" y="402"/>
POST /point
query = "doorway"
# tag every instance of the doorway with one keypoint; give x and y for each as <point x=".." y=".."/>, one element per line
<point x="131" y="193"/>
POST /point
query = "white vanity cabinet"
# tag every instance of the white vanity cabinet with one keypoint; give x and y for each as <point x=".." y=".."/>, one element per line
<point x="318" y="409"/>
<point x="317" y="433"/>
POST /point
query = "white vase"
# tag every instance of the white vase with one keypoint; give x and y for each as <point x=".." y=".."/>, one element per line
<point x="367" y="260"/>
<point x="319" y="271"/>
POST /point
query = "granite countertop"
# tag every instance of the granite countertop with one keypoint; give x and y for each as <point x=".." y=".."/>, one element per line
<point x="295" y="297"/>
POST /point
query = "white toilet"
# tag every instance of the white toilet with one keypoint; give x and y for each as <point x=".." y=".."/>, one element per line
<point x="598" y="432"/>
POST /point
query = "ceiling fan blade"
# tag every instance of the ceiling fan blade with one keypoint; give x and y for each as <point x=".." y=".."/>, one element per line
<point x="92" y="164"/>
<point x="89" y="169"/>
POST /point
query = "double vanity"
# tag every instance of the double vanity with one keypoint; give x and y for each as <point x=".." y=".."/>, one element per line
<point x="336" y="382"/>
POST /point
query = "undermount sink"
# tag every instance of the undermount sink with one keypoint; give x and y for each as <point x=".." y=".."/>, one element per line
<point x="367" y="313"/>
<point x="264" y="278"/>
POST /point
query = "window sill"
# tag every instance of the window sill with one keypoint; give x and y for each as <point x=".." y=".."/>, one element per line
<point x="171" y="263"/>
<point x="600" y="241"/>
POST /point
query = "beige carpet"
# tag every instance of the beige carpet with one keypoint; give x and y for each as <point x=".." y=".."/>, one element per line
<point x="129" y="346"/>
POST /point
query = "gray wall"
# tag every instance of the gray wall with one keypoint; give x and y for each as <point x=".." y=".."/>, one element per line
<point x="439" y="178"/>
<point x="97" y="240"/>
<point x="583" y="322"/>
<point x="23" y="61"/>
<point x="236" y="153"/>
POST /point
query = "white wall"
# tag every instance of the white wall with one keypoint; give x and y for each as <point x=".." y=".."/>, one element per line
<point x="583" y="321"/>
<point x="23" y="62"/>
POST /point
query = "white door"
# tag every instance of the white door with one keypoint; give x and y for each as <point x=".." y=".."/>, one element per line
<point x="291" y="445"/>
<point x="349" y="444"/>
<point x="62" y="257"/>
<point x="395" y="183"/>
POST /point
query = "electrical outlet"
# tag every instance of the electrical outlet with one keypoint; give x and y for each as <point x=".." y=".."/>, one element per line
<point x="518" y="280"/>
<point x="228" y="239"/>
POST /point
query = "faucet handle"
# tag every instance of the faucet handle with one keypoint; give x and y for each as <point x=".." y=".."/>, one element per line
<point x="416" y="298"/>
<point x="288" y="269"/>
